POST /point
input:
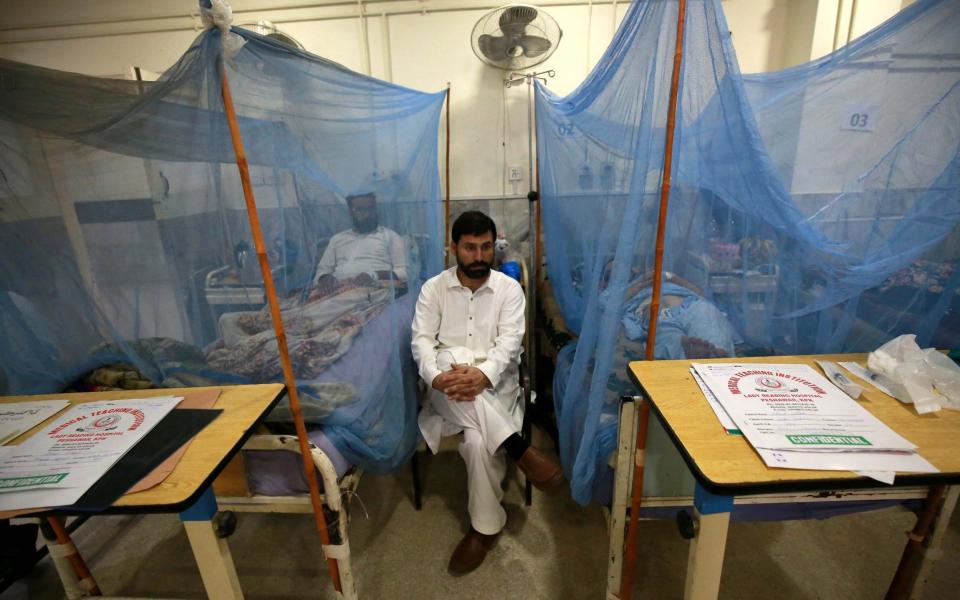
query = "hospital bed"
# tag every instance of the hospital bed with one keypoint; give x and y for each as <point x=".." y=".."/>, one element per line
<point x="267" y="476"/>
<point x="668" y="485"/>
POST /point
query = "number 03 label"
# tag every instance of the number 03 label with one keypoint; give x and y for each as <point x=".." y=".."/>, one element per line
<point x="859" y="117"/>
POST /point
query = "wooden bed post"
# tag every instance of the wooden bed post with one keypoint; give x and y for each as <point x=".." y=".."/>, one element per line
<point x="630" y="557"/>
<point x="271" y="293"/>
<point x="61" y="541"/>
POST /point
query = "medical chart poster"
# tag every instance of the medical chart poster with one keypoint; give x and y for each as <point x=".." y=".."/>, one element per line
<point x="78" y="447"/>
<point x="792" y="407"/>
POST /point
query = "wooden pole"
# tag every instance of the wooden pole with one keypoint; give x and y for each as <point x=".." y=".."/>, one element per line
<point x="630" y="556"/>
<point x="271" y="293"/>
<point x="73" y="556"/>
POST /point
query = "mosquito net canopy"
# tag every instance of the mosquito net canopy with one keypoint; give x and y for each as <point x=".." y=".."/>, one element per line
<point x="812" y="210"/>
<point x="126" y="256"/>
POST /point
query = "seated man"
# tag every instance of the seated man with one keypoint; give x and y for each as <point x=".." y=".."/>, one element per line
<point x="467" y="337"/>
<point x="366" y="254"/>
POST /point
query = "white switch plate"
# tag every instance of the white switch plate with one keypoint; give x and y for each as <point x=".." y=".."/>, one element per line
<point x="515" y="173"/>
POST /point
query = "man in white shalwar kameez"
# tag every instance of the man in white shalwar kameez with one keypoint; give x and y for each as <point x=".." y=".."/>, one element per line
<point x="467" y="338"/>
<point x="366" y="254"/>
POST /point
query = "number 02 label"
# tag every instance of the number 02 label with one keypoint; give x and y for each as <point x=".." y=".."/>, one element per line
<point x="859" y="117"/>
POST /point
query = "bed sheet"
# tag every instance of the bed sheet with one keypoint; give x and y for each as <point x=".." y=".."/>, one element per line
<point x="363" y="372"/>
<point x="279" y="473"/>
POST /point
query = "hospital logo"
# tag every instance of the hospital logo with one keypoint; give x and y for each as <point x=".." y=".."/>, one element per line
<point x="772" y="384"/>
<point x="107" y="423"/>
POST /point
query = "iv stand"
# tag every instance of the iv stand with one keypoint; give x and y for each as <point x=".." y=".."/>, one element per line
<point x="533" y="273"/>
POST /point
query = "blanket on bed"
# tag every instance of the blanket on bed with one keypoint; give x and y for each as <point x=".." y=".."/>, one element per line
<point x="319" y="331"/>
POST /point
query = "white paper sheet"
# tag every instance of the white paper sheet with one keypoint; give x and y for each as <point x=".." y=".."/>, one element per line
<point x="903" y="462"/>
<point x="58" y="464"/>
<point x="40" y="498"/>
<point x="886" y="477"/>
<point x="19" y="417"/>
<point x="728" y="425"/>
<point x="791" y="406"/>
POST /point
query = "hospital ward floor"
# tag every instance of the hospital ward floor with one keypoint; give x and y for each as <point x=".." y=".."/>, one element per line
<point x="553" y="549"/>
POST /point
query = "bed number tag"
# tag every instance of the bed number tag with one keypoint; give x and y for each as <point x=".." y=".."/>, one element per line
<point x="859" y="117"/>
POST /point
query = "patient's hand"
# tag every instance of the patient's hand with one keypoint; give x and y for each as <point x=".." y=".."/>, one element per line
<point x="364" y="280"/>
<point x="467" y="384"/>
<point x="694" y="347"/>
<point x="326" y="284"/>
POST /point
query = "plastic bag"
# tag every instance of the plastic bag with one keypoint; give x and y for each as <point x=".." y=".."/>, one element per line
<point x="219" y="14"/>
<point x="946" y="377"/>
<point x="922" y="377"/>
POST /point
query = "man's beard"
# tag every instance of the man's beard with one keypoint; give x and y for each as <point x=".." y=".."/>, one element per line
<point x="475" y="270"/>
<point x="365" y="226"/>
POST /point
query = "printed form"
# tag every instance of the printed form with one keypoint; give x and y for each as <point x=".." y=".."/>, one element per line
<point x="57" y="465"/>
<point x="797" y="419"/>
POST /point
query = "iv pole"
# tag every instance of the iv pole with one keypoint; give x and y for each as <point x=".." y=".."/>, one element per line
<point x="533" y="196"/>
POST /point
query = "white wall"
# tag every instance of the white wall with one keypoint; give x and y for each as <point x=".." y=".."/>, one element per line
<point x="870" y="13"/>
<point x="422" y="44"/>
<point x="839" y="22"/>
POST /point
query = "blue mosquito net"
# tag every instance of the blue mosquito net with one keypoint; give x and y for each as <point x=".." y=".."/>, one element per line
<point x="813" y="209"/>
<point x="126" y="256"/>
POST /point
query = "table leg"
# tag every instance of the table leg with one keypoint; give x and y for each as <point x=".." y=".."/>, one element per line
<point x="210" y="551"/>
<point x="932" y="552"/>
<point x="626" y="442"/>
<point x="705" y="562"/>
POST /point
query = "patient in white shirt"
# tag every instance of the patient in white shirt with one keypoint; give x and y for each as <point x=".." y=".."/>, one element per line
<point x="366" y="254"/>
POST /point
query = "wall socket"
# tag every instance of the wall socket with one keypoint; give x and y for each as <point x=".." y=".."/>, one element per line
<point x="514" y="173"/>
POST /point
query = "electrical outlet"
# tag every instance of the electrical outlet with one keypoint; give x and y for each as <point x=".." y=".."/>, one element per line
<point x="515" y="173"/>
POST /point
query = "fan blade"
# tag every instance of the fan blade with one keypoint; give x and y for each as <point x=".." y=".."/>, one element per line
<point x="493" y="47"/>
<point x="534" y="45"/>
<point x="517" y="16"/>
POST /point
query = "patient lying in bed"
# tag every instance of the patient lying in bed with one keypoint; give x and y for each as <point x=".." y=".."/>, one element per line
<point x="348" y="337"/>
<point x="689" y="326"/>
<point x="356" y="277"/>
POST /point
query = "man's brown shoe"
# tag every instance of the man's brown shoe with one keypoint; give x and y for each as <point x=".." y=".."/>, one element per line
<point x="542" y="472"/>
<point x="470" y="552"/>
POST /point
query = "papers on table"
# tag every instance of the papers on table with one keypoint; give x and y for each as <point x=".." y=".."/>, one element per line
<point x="792" y="407"/>
<point x="797" y="419"/>
<point x="728" y="425"/>
<point x="59" y="463"/>
<point x="904" y="462"/>
<point x="19" y="417"/>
